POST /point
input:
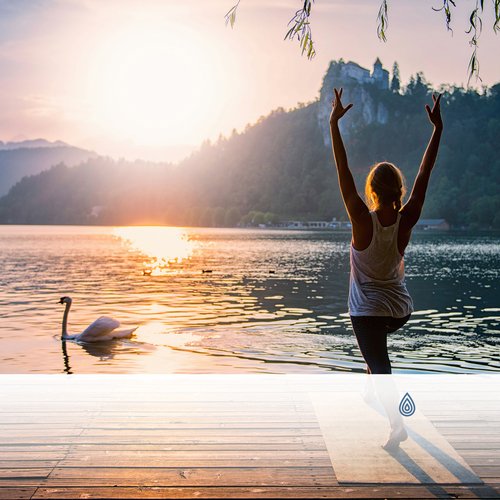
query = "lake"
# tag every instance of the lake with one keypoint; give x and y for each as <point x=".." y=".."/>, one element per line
<point x="235" y="301"/>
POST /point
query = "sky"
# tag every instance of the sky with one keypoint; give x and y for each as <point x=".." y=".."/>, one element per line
<point x="153" y="79"/>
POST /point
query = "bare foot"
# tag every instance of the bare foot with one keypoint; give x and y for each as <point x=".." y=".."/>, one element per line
<point x="395" y="437"/>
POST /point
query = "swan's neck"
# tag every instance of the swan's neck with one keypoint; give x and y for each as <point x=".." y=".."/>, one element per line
<point x="65" y="321"/>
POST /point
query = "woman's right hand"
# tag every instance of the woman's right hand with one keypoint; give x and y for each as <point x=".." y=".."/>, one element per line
<point x="338" y="111"/>
<point x="435" y="113"/>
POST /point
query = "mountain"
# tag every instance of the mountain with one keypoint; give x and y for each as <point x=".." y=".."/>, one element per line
<point x="18" y="159"/>
<point x="282" y="167"/>
<point x="31" y="143"/>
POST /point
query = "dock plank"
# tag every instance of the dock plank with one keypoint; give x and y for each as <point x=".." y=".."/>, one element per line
<point x="207" y="477"/>
<point x="16" y="493"/>
<point x="24" y="473"/>
<point x="116" y="493"/>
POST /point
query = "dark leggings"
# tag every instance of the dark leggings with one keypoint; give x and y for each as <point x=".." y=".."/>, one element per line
<point x="371" y="334"/>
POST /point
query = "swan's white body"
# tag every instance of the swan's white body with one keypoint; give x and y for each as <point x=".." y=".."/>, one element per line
<point x="101" y="329"/>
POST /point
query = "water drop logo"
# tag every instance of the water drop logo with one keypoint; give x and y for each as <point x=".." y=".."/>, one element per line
<point x="407" y="406"/>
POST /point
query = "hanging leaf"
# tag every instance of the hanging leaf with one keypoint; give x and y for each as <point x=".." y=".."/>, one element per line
<point x="383" y="21"/>
<point x="447" y="11"/>
<point x="230" y="16"/>
<point x="301" y="29"/>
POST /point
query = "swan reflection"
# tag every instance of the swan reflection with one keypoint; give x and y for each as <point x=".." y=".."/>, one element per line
<point x="67" y="366"/>
<point x="166" y="247"/>
<point x="103" y="351"/>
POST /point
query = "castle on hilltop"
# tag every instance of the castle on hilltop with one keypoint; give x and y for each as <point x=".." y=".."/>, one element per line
<point x="379" y="76"/>
<point x="362" y="87"/>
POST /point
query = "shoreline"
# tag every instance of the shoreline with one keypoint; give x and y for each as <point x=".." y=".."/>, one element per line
<point x="452" y="231"/>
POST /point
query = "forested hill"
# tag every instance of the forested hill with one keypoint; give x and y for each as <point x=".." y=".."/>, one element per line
<point x="281" y="167"/>
<point x="18" y="159"/>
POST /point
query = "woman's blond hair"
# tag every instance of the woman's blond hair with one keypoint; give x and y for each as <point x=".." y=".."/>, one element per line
<point x="385" y="185"/>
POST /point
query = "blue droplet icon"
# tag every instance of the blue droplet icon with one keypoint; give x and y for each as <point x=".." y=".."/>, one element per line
<point x="407" y="406"/>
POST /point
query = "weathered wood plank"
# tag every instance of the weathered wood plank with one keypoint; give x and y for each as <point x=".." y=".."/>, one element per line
<point x="285" y="419"/>
<point x="23" y="463"/>
<point x="487" y="471"/>
<point x="160" y="448"/>
<point x="27" y="458"/>
<point x="284" y="437"/>
<point x="473" y="445"/>
<point x="476" y="422"/>
<point x="145" y="432"/>
<point x="413" y="492"/>
<point x="167" y="397"/>
<point x="479" y="431"/>
<point x="16" y="493"/>
<point x="196" y="454"/>
<point x="207" y="462"/>
<point x="481" y="453"/>
<point x="55" y="407"/>
<point x="483" y="461"/>
<point x="25" y="473"/>
<point x="234" y="424"/>
<point x="188" y="438"/>
<point x="193" y="452"/>
<point x="222" y="431"/>
<point x="495" y="481"/>
<point x="185" y="408"/>
<point x="26" y="433"/>
<point x="248" y="476"/>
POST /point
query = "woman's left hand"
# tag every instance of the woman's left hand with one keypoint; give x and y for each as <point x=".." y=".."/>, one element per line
<point x="435" y="113"/>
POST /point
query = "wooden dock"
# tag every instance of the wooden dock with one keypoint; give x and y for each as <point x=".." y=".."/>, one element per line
<point x="207" y="437"/>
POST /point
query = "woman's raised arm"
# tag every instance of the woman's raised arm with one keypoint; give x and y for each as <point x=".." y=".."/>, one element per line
<point x="413" y="207"/>
<point x="355" y="206"/>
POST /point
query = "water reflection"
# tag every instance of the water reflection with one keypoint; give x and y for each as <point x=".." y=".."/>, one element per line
<point x="101" y="350"/>
<point x="165" y="247"/>
<point x="67" y="366"/>
<point x="240" y="317"/>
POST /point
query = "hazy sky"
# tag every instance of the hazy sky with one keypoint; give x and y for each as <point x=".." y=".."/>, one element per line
<point x="153" y="78"/>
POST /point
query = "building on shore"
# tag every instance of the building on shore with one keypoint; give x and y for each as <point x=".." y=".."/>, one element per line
<point x="422" y="224"/>
<point x="315" y="224"/>
<point x="433" y="225"/>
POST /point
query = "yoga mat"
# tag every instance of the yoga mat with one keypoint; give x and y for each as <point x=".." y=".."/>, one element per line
<point x="355" y="431"/>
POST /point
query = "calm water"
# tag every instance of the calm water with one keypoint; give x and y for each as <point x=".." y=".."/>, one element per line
<point x="275" y="301"/>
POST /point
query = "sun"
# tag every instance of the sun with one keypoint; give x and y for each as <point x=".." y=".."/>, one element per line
<point x="150" y="84"/>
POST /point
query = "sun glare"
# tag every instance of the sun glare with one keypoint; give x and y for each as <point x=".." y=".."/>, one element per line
<point x="152" y="83"/>
<point x="166" y="247"/>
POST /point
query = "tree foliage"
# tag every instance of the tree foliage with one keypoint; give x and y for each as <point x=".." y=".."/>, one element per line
<point x="396" y="78"/>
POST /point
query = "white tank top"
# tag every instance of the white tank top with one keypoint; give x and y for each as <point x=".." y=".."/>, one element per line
<point x="377" y="286"/>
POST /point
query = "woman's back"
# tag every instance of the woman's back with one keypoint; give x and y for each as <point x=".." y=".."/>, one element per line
<point x="377" y="286"/>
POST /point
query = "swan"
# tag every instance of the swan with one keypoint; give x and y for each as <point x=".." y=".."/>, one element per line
<point x="102" y="328"/>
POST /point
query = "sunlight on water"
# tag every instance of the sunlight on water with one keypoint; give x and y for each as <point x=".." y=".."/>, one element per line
<point x="166" y="247"/>
<point x="226" y="300"/>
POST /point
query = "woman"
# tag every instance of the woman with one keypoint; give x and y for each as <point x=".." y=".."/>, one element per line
<point x="379" y="302"/>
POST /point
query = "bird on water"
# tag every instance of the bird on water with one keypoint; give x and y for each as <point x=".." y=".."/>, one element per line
<point x="102" y="329"/>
